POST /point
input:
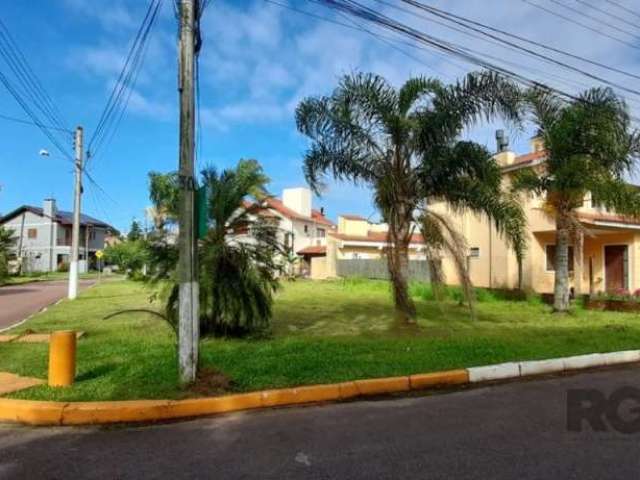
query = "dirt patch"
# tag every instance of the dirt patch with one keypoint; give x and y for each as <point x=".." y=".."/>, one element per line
<point x="210" y="382"/>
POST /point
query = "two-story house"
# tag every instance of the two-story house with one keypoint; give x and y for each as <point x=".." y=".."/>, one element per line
<point x="43" y="237"/>
<point x="611" y="246"/>
<point x="302" y="230"/>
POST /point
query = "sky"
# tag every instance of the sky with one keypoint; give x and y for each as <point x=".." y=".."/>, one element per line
<point x="258" y="60"/>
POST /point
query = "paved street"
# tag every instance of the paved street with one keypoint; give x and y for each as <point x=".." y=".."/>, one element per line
<point x="516" y="430"/>
<point x="20" y="301"/>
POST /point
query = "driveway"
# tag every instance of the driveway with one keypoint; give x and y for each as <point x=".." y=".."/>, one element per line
<point x="516" y="430"/>
<point x="19" y="301"/>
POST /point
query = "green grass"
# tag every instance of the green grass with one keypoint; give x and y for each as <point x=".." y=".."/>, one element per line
<point x="322" y="332"/>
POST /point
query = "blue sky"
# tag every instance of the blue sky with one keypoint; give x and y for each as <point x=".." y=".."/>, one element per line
<point x="258" y="61"/>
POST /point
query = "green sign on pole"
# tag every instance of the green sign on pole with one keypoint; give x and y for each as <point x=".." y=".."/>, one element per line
<point x="202" y="222"/>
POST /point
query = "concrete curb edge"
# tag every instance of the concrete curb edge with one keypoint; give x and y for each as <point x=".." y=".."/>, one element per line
<point x="32" y="412"/>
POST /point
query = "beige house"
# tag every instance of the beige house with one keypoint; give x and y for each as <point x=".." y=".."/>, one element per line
<point x="356" y="239"/>
<point x="611" y="252"/>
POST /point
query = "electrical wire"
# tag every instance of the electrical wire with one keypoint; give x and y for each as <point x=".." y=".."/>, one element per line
<point x="594" y="18"/>
<point x="622" y="7"/>
<point x="118" y="100"/>
<point x="583" y="25"/>
<point x="448" y="15"/>
<point x="606" y="12"/>
<point x="27" y="122"/>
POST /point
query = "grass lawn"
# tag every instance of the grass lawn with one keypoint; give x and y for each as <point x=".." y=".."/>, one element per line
<point x="322" y="332"/>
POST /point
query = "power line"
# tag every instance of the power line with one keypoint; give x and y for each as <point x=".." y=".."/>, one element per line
<point x="513" y="45"/>
<point x="606" y="12"/>
<point x="27" y="122"/>
<point x="477" y="58"/>
<point x="594" y="18"/>
<point x="622" y="7"/>
<point x="448" y="15"/>
<point x="27" y="78"/>
<point x="118" y="100"/>
<point x="583" y="25"/>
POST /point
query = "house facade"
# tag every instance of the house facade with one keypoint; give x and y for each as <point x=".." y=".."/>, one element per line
<point x="302" y="230"/>
<point x="610" y="259"/>
<point x="43" y="237"/>
<point x="358" y="239"/>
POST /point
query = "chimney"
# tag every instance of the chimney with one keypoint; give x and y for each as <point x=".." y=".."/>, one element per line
<point x="504" y="156"/>
<point x="298" y="200"/>
<point x="49" y="207"/>
<point x="322" y="211"/>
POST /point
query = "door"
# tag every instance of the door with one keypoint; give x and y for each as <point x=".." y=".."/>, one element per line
<point x="616" y="267"/>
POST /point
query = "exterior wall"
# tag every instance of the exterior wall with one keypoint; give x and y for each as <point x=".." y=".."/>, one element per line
<point x="52" y="243"/>
<point x="358" y="228"/>
<point x="298" y="200"/>
<point x="40" y="253"/>
<point x="318" y="268"/>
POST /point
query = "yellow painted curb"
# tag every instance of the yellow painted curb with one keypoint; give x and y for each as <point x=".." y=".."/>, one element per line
<point x="90" y="413"/>
<point x="451" y="377"/>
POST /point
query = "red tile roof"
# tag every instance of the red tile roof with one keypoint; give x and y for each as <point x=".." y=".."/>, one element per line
<point x="526" y="159"/>
<point x="277" y="205"/>
<point x="379" y="237"/>
<point x="607" y="217"/>
<point x="313" y="250"/>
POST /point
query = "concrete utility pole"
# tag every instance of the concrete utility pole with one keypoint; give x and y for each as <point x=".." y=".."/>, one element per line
<point x="75" y="233"/>
<point x="188" y="325"/>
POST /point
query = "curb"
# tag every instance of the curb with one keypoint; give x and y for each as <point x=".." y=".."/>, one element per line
<point x="33" y="412"/>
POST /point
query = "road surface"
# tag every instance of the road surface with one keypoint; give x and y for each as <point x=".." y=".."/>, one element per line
<point x="17" y="302"/>
<point x="515" y="430"/>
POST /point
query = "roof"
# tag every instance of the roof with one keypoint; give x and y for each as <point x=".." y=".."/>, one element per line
<point x="277" y="205"/>
<point x="377" y="237"/>
<point x="526" y="160"/>
<point x="313" y="250"/>
<point x="354" y="217"/>
<point x="62" y="217"/>
<point x="608" y="218"/>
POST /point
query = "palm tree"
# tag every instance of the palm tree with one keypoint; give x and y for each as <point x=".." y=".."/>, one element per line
<point x="590" y="148"/>
<point x="403" y="143"/>
<point x="240" y="257"/>
<point x="238" y="277"/>
<point x="7" y="240"/>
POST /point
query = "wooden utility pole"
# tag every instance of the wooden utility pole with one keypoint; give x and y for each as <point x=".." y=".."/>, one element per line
<point x="75" y="233"/>
<point x="188" y="326"/>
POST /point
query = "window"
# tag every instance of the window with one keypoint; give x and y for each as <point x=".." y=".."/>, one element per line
<point x="321" y="232"/>
<point x="551" y="258"/>
<point x="32" y="233"/>
<point x="288" y="240"/>
<point x="474" y="252"/>
<point x="306" y="229"/>
<point x="92" y="234"/>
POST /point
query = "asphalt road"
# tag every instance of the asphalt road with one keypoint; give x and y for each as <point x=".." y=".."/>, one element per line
<point x="515" y="430"/>
<point x="17" y="302"/>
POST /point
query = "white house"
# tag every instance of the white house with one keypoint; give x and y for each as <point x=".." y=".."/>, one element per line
<point x="302" y="229"/>
<point x="43" y="236"/>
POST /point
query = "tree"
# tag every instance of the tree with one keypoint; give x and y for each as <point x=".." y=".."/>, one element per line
<point x="7" y="241"/>
<point x="135" y="232"/>
<point x="401" y="143"/>
<point x="164" y="194"/>
<point x="129" y="255"/>
<point x="237" y="278"/>
<point x="590" y="148"/>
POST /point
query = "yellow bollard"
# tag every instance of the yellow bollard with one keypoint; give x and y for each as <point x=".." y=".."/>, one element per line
<point x="62" y="358"/>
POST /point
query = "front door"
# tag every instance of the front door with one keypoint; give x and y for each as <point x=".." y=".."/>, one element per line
<point x="616" y="267"/>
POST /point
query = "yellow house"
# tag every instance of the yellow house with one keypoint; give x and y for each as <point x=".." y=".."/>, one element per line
<point x="611" y="244"/>
<point x="357" y="239"/>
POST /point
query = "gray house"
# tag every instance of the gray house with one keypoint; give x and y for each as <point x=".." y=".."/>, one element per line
<point x="44" y="237"/>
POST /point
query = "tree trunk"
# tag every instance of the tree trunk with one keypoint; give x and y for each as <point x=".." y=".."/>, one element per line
<point x="398" y="263"/>
<point x="561" y="286"/>
<point x="578" y="263"/>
